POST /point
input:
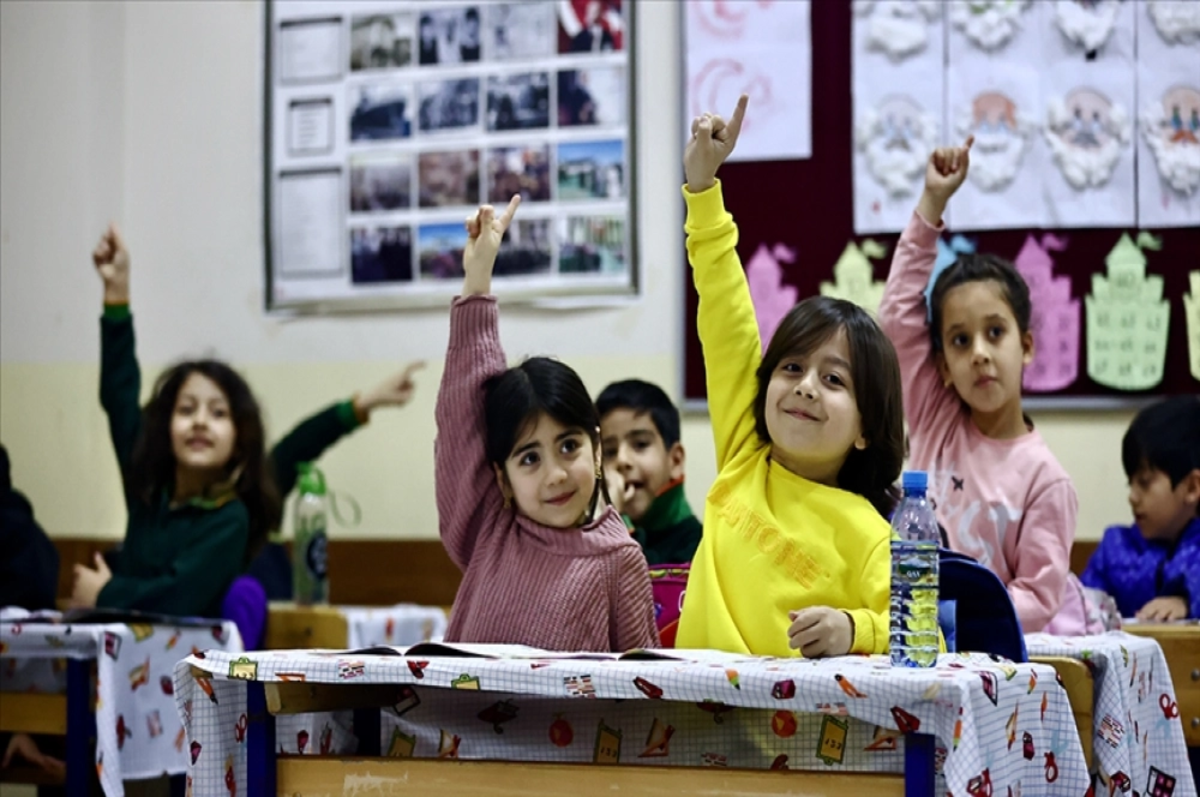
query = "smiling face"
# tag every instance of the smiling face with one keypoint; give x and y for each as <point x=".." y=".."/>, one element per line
<point x="633" y="446"/>
<point x="203" y="434"/>
<point x="983" y="349"/>
<point x="551" y="473"/>
<point x="811" y="412"/>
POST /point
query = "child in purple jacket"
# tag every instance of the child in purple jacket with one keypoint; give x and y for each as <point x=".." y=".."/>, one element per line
<point x="1152" y="568"/>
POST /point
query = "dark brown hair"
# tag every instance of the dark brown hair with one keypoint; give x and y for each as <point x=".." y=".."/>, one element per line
<point x="875" y="373"/>
<point x="151" y="469"/>
<point x="980" y="268"/>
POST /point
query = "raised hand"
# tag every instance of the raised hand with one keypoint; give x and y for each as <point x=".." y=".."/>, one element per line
<point x="395" y="391"/>
<point x="111" y="259"/>
<point x="484" y="233"/>
<point x="713" y="139"/>
<point x="945" y="172"/>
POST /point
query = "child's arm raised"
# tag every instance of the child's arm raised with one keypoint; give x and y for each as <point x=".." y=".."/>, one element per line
<point x="903" y="311"/>
<point x="468" y="496"/>
<point x="120" y="377"/>
<point x="310" y="438"/>
<point x="725" y="320"/>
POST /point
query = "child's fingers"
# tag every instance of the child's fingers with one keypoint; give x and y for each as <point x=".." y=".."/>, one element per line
<point x="115" y="234"/>
<point x="413" y="367"/>
<point x="969" y="142"/>
<point x="507" y="217"/>
<point x="704" y="131"/>
<point x="735" y="122"/>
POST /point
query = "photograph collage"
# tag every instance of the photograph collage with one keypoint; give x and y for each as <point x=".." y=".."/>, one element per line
<point x="447" y="106"/>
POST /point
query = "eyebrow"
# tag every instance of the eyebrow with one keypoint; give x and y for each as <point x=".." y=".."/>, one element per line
<point x="532" y="444"/>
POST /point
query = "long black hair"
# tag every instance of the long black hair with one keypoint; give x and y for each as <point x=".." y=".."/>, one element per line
<point x="875" y="373"/>
<point x="539" y="386"/>
<point x="152" y="467"/>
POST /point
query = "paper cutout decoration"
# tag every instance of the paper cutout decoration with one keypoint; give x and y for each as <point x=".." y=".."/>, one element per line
<point x="897" y="137"/>
<point x="1002" y="133"/>
<point x="1055" y="321"/>
<point x="989" y="24"/>
<point x="1191" y="305"/>
<point x="1087" y="24"/>
<point x="1178" y="21"/>
<point x="1087" y="133"/>
<point x="854" y="276"/>
<point x="947" y="253"/>
<point x="1172" y="131"/>
<point x="1127" y="319"/>
<point x="898" y="28"/>
<point x="772" y="299"/>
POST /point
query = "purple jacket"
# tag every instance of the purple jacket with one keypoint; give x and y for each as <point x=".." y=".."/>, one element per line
<point x="1135" y="570"/>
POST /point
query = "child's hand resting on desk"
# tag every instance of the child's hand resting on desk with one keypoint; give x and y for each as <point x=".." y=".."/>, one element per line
<point x="944" y="174"/>
<point x="1163" y="610"/>
<point x="23" y="746"/>
<point x="484" y="233"/>
<point x="88" y="583"/>
<point x="820" y="632"/>
<point x="712" y="141"/>
<point x="395" y="391"/>
<point x="112" y="263"/>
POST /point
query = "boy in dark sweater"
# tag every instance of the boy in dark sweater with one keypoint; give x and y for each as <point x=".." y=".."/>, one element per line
<point x="644" y="460"/>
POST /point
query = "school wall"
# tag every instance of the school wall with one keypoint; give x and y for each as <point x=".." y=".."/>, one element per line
<point x="151" y="114"/>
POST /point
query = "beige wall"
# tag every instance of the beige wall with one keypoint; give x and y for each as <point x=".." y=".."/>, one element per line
<point x="151" y="114"/>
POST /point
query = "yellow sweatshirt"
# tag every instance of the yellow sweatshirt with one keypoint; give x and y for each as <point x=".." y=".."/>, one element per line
<point x="773" y="542"/>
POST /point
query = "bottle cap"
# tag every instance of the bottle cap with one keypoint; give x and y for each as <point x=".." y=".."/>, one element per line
<point x="311" y="480"/>
<point x="914" y="481"/>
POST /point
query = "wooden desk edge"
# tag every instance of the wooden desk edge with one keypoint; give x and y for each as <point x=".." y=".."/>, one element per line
<point x="1081" y="692"/>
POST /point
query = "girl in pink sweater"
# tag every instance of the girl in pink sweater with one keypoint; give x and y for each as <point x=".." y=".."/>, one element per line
<point x="519" y="481"/>
<point x="1000" y="493"/>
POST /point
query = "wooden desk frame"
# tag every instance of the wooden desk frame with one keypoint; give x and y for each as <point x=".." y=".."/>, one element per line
<point x="71" y="715"/>
<point x="1181" y="647"/>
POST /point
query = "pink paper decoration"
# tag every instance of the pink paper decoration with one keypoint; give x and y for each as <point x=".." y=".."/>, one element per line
<point x="772" y="299"/>
<point x="1056" y="318"/>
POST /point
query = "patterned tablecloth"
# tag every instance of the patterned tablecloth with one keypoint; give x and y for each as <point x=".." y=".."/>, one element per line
<point x="998" y="725"/>
<point x="402" y="624"/>
<point x="138" y="732"/>
<point x="1139" y="741"/>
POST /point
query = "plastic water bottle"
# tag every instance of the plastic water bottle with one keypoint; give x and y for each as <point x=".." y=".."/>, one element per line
<point x="310" y="581"/>
<point x="914" y="608"/>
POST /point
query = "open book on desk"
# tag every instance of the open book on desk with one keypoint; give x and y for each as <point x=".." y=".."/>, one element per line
<point x="524" y="652"/>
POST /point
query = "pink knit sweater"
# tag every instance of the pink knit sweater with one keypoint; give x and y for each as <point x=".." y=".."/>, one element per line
<point x="584" y="588"/>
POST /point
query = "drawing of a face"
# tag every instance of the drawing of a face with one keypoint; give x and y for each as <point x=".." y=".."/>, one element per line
<point x="1172" y="131"/>
<point x="896" y="138"/>
<point x="990" y="24"/>
<point x="1087" y="23"/>
<point x="1000" y="139"/>
<point x="899" y="27"/>
<point x="1086" y="133"/>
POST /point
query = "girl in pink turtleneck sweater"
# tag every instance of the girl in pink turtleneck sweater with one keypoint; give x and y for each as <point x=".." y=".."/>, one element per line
<point x="519" y="482"/>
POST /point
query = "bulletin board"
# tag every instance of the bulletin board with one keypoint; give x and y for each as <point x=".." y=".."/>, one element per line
<point x="803" y="211"/>
<point x="388" y="122"/>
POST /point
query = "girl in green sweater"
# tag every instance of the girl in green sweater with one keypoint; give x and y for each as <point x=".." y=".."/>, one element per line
<point x="197" y="483"/>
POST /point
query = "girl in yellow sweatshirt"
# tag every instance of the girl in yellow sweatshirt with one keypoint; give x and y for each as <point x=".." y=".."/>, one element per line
<point x="810" y="440"/>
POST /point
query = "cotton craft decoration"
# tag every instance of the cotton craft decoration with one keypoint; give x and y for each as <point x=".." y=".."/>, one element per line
<point x="896" y="137"/>
<point x="1087" y="132"/>
<point x="1178" y="21"/>
<point x="989" y="24"/>
<point x="1171" y="128"/>
<point x="1087" y="23"/>
<point x="1191" y="306"/>
<point x="1055" y="320"/>
<point x="898" y="28"/>
<point x="1002" y="133"/>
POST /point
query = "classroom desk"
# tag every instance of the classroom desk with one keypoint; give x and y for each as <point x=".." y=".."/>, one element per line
<point x="115" y="689"/>
<point x="1137" y="735"/>
<point x="1180" y="643"/>
<point x="648" y="724"/>
<point x="292" y="627"/>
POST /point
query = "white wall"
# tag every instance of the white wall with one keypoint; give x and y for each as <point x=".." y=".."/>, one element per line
<point x="150" y="113"/>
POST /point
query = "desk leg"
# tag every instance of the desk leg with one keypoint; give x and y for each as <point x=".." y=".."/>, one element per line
<point x="260" y="743"/>
<point x="367" y="729"/>
<point x="81" y="727"/>
<point x="918" y="764"/>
